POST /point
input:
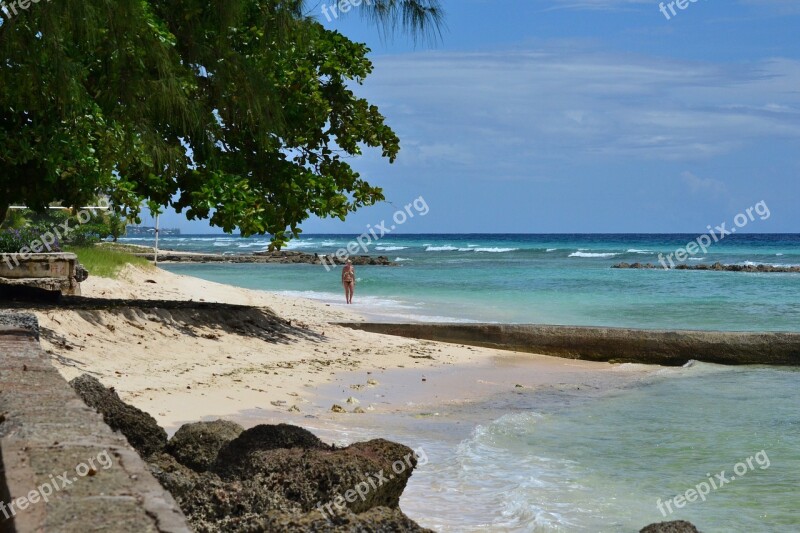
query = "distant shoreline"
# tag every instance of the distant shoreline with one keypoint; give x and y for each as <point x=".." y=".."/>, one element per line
<point x="265" y="257"/>
<point x="716" y="267"/>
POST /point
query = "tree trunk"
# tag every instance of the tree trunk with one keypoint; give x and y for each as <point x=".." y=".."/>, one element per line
<point x="3" y="212"/>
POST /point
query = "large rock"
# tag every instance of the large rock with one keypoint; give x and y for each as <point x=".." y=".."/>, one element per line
<point x="141" y="429"/>
<point x="283" y="478"/>
<point x="197" y="445"/>
<point x="268" y="478"/>
<point x="676" y="526"/>
<point x="262" y="438"/>
<point x="377" y="520"/>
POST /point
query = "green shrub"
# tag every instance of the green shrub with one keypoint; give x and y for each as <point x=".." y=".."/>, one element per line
<point x="19" y="240"/>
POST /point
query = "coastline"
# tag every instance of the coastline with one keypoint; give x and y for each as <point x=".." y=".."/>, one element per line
<point x="190" y="350"/>
<point x="180" y="367"/>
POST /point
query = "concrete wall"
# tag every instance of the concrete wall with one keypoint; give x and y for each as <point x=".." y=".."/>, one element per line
<point x="611" y="344"/>
<point x="46" y="431"/>
<point x="52" y="272"/>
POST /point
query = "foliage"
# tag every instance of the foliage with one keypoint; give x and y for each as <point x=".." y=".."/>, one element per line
<point x="62" y="227"/>
<point x="16" y="219"/>
<point x="14" y="240"/>
<point x="239" y="111"/>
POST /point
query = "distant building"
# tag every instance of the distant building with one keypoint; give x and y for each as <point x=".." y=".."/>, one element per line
<point x="149" y="231"/>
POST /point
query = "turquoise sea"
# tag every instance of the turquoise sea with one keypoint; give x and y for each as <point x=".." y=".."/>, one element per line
<point x="567" y="461"/>
<point x="549" y="279"/>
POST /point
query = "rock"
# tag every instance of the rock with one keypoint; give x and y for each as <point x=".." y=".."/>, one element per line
<point x="353" y="400"/>
<point x="261" y="438"/>
<point x="197" y="445"/>
<point x="359" y="411"/>
<point x="141" y="429"/>
<point x="281" y="257"/>
<point x="267" y="478"/>
<point x="279" y="478"/>
<point x="304" y="476"/>
<point x="338" y="409"/>
<point x="379" y="519"/>
<point x="676" y="526"/>
<point x="178" y="479"/>
<point x="716" y="267"/>
<point x="81" y="274"/>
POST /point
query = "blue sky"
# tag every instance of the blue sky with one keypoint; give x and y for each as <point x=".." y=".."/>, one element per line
<point x="539" y="116"/>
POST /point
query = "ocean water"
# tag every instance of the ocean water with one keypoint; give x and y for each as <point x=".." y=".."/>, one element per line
<point x="549" y="279"/>
<point x="580" y="462"/>
<point x="562" y="463"/>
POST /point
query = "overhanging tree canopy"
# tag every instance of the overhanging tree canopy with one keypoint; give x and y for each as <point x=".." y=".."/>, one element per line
<point x="234" y="110"/>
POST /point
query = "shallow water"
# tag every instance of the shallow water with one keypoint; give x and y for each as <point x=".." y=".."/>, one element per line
<point x="563" y="461"/>
<point x="577" y="461"/>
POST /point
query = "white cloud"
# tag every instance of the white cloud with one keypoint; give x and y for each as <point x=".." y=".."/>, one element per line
<point x="530" y="105"/>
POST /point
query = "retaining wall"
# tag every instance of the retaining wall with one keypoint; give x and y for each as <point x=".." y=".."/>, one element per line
<point x="659" y="347"/>
<point x="49" y="437"/>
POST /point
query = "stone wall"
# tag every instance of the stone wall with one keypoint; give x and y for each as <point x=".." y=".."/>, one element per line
<point x="56" y="272"/>
<point x="672" y="348"/>
<point x="63" y="469"/>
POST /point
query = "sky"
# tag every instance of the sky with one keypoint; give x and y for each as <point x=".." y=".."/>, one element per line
<point x="584" y="116"/>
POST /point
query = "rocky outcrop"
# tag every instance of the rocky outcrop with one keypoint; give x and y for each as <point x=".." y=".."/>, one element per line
<point x="197" y="445"/>
<point x="267" y="478"/>
<point x="141" y="429"/>
<point x="283" y="478"/>
<point x="716" y="267"/>
<point x="676" y="526"/>
<point x="284" y="257"/>
<point x="377" y="520"/>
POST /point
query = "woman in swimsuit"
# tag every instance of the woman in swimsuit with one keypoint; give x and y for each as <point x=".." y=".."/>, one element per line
<point x="349" y="281"/>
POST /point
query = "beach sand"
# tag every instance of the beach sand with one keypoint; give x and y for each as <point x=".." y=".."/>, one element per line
<point x="184" y="366"/>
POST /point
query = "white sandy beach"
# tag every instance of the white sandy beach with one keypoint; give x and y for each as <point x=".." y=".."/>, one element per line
<point x="181" y="369"/>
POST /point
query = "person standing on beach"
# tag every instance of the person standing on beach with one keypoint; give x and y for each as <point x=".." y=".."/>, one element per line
<point x="349" y="281"/>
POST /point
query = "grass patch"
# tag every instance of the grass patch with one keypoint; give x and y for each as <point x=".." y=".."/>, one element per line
<point x="104" y="262"/>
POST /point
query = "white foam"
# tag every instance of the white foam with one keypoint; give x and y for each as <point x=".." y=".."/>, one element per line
<point x="391" y="248"/>
<point x="552" y="249"/>
<point x="635" y="251"/>
<point x="776" y="265"/>
<point x="593" y="254"/>
<point x="441" y="249"/>
<point x="496" y="250"/>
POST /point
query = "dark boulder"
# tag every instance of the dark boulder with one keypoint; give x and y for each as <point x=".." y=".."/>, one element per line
<point x="377" y="520"/>
<point x="676" y="526"/>
<point x="306" y="477"/>
<point x="232" y="457"/>
<point x="141" y="429"/>
<point x="197" y="445"/>
<point x="268" y="478"/>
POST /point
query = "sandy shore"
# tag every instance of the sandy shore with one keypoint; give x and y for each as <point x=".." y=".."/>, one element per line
<point x="188" y="365"/>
